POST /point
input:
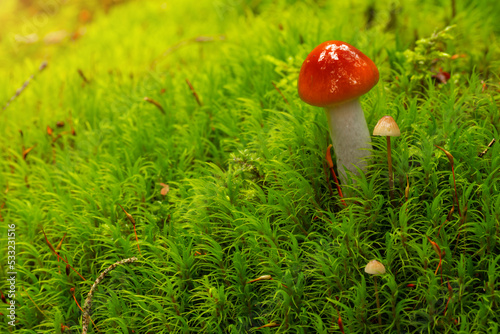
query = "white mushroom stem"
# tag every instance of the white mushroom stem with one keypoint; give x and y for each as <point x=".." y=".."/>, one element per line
<point x="350" y="137"/>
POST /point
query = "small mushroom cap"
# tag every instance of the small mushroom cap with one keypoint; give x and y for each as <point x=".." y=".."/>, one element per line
<point x="386" y="126"/>
<point x="374" y="267"/>
<point x="335" y="72"/>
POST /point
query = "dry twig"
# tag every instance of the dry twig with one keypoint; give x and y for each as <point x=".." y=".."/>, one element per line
<point x="26" y="83"/>
<point x="88" y="302"/>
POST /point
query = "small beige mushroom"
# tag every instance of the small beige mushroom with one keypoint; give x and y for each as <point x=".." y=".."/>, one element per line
<point x="375" y="268"/>
<point x="388" y="127"/>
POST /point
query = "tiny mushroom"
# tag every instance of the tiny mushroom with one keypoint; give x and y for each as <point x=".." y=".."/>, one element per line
<point x="375" y="268"/>
<point x="387" y="127"/>
<point x="333" y="76"/>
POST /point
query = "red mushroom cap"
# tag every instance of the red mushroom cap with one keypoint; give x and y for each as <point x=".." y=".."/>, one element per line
<point x="335" y="72"/>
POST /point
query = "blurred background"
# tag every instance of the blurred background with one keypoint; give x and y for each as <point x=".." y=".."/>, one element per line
<point x="141" y="30"/>
<point x="161" y="43"/>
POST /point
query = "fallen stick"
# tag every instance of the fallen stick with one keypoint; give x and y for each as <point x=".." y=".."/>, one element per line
<point x="26" y="83"/>
<point x="88" y="302"/>
<point x="486" y="150"/>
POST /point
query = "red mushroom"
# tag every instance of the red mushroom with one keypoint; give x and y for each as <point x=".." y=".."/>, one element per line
<point x="334" y="76"/>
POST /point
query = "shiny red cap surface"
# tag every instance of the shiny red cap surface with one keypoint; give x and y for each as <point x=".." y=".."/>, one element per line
<point x="335" y="72"/>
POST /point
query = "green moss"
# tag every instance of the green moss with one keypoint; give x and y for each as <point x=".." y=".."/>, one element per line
<point x="248" y="194"/>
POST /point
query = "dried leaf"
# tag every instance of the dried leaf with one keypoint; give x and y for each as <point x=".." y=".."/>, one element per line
<point x="165" y="189"/>
<point x="131" y="219"/>
<point x="442" y="76"/>
<point x="26" y="151"/>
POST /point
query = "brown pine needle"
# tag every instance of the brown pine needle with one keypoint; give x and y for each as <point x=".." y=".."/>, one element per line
<point x="194" y="93"/>
<point x="436" y="248"/>
<point x="84" y="78"/>
<point x="462" y="219"/>
<point x="330" y="165"/>
<point x="261" y="278"/>
<point x="51" y="247"/>
<point x="155" y="103"/>
<point x="450" y="158"/>
<point x="83" y="278"/>
<point x="1" y="207"/>
<point x="279" y="91"/>
<point x="271" y="324"/>
<point x="59" y="257"/>
<point x="137" y="239"/>
<point x="131" y="219"/>
<point x="76" y="301"/>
